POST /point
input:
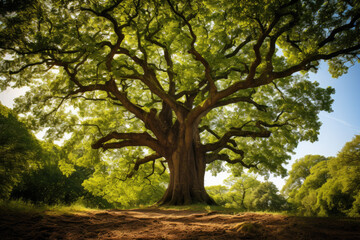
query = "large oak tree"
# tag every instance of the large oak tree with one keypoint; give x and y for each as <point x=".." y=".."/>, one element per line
<point x="183" y="83"/>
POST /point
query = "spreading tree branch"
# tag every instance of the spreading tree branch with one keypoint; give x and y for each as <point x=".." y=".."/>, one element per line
<point x="152" y="172"/>
<point x="29" y="65"/>
<point x="262" y="132"/>
<point x="128" y="139"/>
<point x="238" y="48"/>
<point x="141" y="161"/>
<point x="208" y="129"/>
<point x="340" y="29"/>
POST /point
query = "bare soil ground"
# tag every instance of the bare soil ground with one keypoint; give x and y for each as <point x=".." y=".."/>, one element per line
<point x="172" y="224"/>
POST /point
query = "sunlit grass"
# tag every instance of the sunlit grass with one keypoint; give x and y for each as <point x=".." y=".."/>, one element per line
<point x="19" y="206"/>
<point x="268" y="212"/>
<point x="218" y="209"/>
<point x="204" y="208"/>
<point x="63" y="209"/>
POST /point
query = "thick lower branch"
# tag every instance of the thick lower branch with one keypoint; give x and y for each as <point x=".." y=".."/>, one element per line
<point x="208" y="129"/>
<point x="141" y="161"/>
<point x="129" y="139"/>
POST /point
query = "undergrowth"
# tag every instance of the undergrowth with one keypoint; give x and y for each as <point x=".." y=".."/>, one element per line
<point x="216" y="209"/>
<point x="20" y="206"/>
<point x="204" y="207"/>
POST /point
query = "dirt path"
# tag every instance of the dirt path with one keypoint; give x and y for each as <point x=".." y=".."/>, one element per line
<point x="172" y="224"/>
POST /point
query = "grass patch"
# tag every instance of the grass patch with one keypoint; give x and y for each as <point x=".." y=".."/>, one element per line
<point x="63" y="209"/>
<point x="204" y="208"/>
<point x="218" y="209"/>
<point x="19" y="206"/>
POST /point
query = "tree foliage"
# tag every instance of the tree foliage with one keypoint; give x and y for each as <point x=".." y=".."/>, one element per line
<point x="241" y="187"/>
<point x="300" y="170"/>
<point x="219" y="193"/>
<point x="40" y="172"/>
<point x="48" y="184"/>
<point x="19" y="151"/>
<point x="332" y="187"/>
<point x="266" y="197"/>
<point x="184" y="84"/>
<point x="130" y="193"/>
<point x="249" y="194"/>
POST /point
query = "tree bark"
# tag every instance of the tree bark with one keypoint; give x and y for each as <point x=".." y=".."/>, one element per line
<point x="187" y="171"/>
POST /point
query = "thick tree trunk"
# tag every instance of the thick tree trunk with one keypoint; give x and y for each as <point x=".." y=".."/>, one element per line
<point x="187" y="171"/>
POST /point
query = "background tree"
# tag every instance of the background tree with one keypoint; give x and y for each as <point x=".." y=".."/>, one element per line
<point x="240" y="190"/>
<point x="248" y="193"/>
<point x="332" y="186"/>
<point x="340" y="193"/>
<point x="183" y="83"/>
<point x="300" y="170"/>
<point x="306" y="197"/>
<point x="219" y="193"/>
<point x="48" y="185"/>
<point x="266" y="197"/>
<point x="346" y="172"/>
<point x="19" y="151"/>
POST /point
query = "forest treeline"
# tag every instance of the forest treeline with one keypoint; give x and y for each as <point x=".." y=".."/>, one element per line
<point x="316" y="186"/>
<point x="38" y="172"/>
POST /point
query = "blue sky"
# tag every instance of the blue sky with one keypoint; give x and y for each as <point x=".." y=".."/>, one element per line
<point x="339" y="126"/>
